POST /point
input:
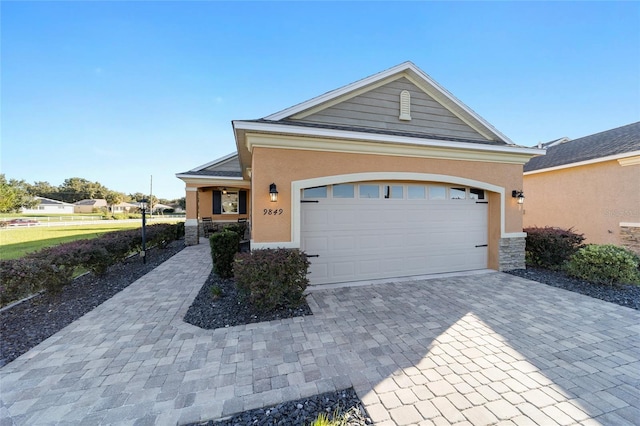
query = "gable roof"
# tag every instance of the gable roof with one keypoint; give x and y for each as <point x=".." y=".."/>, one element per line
<point x="92" y="202"/>
<point x="50" y="202"/>
<point x="618" y="141"/>
<point x="224" y="167"/>
<point x="414" y="74"/>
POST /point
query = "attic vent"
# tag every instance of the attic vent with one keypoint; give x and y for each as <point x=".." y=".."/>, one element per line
<point x="405" y="105"/>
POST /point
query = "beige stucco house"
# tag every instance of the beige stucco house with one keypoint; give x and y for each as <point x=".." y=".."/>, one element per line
<point x="90" y="205"/>
<point x="591" y="184"/>
<point x="387" y="177"/>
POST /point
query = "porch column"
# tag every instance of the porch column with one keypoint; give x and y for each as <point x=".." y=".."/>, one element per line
<point x="191" y="236"/>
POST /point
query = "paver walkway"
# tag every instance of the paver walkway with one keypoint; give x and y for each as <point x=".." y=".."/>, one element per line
<point x="482" y="349"/>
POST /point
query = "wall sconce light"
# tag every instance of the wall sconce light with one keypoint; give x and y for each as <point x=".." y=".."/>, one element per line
<point x="224" y="191"/>
<point x="519" y="195"/>
<point x="273" y="193"/>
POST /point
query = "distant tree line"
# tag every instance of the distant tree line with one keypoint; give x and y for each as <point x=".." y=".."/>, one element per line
<point x="15" y="194"/>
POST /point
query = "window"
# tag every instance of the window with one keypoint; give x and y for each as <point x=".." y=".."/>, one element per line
<point x="416" y="192"/>
<point x="476" y="194"/>
<point x="230" y="202"/>
<point x="343" y="191"/>
<point x="393" y="191"/>
<point x="437" y="193"/>
<point x="369" y="191"/>
<point x="457" y="193"/>
<point x="317" y="192"/>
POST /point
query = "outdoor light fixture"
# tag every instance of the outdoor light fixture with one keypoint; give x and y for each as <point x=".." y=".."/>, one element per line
<point x="224" y="191"/>
<point x="143" y="253"/>
<point x="519" y="195"/>
<point x="273" y="193"/>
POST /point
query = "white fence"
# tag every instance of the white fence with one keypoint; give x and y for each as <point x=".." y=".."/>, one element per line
<point x="50" y="221"/>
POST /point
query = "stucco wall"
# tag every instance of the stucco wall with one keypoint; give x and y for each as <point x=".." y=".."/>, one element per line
<point x="282" y="166"/>
<point x="593" y="199"/>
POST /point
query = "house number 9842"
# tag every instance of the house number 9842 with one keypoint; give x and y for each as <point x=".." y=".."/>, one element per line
<point x="272" y="212"/>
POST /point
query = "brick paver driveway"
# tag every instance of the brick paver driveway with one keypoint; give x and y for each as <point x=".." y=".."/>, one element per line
<point x="481" y="349"/>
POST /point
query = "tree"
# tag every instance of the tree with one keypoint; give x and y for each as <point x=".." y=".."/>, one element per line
<point x="114" y="197"/>
<point x="182" y="202"/>
<point x="76" y="189"/>
<point x="42" y="189"/>
<point x="139" y="196"/>
<point x="14" y="195"/>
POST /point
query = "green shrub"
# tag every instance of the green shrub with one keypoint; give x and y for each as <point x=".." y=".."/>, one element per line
<point x="20" y="278"/>
<point x="224" y="245"/>
<point x="238" y="228"/>
<point x="53" y="267"/>
<point x="272" y="278"/>
<point x="605" y="264"/>
<point x="550" y="247"/>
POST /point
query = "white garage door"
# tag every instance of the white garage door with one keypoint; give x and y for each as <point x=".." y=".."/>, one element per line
<point x="366" y="231"/>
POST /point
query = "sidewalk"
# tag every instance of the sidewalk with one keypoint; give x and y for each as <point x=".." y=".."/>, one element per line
<point x="471" y="349"/>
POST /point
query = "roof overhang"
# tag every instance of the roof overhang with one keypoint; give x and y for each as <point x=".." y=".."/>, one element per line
<point x="253" y="134"/>
<point x="624" y="159"/>
<point x="201" y="181"/>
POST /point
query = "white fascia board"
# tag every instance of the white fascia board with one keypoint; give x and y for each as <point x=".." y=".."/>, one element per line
<point x="376" y="137"/>
<point x="214" y="162"/>
<point x="584" y="163"/>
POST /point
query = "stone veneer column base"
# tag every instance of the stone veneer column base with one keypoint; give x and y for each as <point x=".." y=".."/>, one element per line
<point x="191" y="235"/>
<point x="630" y="236"/>
<point x="511" y="253"/>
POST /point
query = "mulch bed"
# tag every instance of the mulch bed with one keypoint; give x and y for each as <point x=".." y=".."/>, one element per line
<point x="229" y="309"/>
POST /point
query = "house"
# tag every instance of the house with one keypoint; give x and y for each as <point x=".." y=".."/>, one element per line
<point x="90" y="205"/>
<point x="159" y="208"/>
<point x="47" y="205"/>
<point x="591" y="184"/>
<point x="390" y="176"/>
<point x="123" y="207"/>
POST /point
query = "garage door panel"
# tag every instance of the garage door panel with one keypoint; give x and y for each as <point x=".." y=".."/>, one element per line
<point x="316" y="243"/>
<point x="343" y="269"/>
<point x="371" y="239"/>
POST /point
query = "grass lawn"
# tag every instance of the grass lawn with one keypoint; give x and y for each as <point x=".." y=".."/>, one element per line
<point x="16" y="242"/>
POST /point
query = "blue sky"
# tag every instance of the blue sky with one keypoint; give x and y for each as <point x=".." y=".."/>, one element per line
<point x="118" y="91"/>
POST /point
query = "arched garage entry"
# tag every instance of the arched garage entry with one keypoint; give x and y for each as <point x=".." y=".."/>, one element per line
<point x="370" y="226"/>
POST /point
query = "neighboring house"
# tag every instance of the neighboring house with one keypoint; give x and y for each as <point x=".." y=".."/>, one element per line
<point x="591" y="184"/>
<point x="47" y="205"/>
<point x="90" y="205"/>
<point x="160" y="208"/>
<point x="390" y="176"/>
<point x="123" y="207"/>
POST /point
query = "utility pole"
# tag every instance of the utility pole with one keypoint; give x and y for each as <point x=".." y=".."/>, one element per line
<point x="151" y="197"/>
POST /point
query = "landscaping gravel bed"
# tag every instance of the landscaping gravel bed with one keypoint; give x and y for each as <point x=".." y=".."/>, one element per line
<point x="302" y="412"/>
<point x="229" y="310"/>
<point x="623" y="295"/>
<point x="24" y="325"/>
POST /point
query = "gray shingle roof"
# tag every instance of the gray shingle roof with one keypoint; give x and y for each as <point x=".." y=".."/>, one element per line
<point x="611" y="142"/>
<point x="217" y="173"/>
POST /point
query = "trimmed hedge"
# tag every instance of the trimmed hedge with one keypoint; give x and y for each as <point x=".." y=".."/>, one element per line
<point x="53" y="267"/>
<point x="550" y="247"/>
<point x="224" y="245"/>
<point x="272" y="278"/>
<point x="605" y="264"/>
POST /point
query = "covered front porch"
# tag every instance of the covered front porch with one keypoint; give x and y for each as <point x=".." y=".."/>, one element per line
<point x="217" y="194"/>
